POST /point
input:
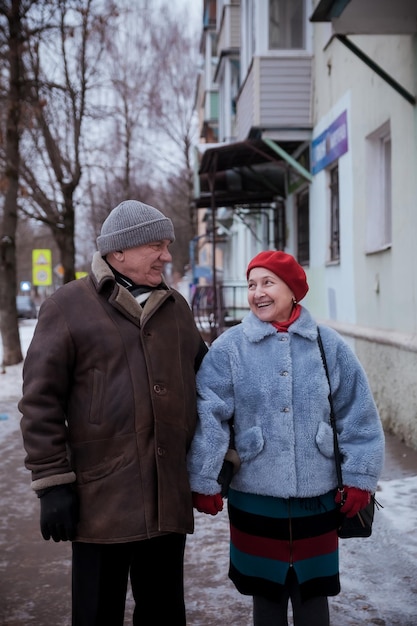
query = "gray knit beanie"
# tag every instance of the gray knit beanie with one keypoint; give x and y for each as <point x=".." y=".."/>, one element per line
<point x="132" y="224"/>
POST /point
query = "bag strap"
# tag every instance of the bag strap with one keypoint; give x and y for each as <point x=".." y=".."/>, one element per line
<point x="332" y="417"/>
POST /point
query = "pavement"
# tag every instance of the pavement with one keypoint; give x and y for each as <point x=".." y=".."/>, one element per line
<point x="378" y="575"/>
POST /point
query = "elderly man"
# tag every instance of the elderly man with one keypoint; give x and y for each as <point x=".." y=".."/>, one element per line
<point x="109" y="411"/>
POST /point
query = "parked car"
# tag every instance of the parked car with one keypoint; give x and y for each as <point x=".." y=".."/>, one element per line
<point x="26" y="308"/>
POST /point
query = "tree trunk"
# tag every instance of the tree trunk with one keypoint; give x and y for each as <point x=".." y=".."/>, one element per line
<point x="65" y="243"/>
<point x="64" y="237"/>
<point x="12" y="352"/>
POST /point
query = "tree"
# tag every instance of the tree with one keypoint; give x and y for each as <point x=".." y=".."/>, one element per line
<point x="175" y="43"/>
<point x="149" y="119"/>
<point x="63" y="56"/>
<point x="12" y="39"/>
<point x="90" y="123"/>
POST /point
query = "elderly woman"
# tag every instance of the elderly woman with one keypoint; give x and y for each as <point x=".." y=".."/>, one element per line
<point x="267" y="373"/>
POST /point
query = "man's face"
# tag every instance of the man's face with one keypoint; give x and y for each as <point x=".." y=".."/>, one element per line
<point x="143" y="264"/>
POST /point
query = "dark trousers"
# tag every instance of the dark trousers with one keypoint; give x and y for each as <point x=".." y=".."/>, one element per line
<point x="312" y="612"/>
<point x="100" y="574"/>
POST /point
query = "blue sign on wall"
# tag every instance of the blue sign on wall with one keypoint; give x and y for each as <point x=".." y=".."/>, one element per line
<point x="330" y="145"/>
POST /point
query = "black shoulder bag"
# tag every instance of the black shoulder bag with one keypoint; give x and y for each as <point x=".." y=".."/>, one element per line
<point x="360" y="525"/>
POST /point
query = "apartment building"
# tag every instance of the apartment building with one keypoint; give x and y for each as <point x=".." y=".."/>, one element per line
<point x="309" y="144"/>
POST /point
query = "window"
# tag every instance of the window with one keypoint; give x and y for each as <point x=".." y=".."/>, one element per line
<point x="379" y="193"/>
<point x="280" y="227"/>
<point x="303" y="227"/>
<point x="286" y="24"/>
<point x="334" y="244"/>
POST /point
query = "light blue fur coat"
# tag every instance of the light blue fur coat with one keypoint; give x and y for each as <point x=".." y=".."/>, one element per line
<point x="275" y="386"/>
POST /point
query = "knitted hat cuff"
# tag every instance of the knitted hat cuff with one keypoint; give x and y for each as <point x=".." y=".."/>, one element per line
<point x="136" y="236"/>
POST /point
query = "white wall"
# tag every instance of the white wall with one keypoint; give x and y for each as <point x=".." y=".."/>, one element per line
<point x="387" y="278"/>
<point x="334" y="284"/>
<point x="375" y="294"/>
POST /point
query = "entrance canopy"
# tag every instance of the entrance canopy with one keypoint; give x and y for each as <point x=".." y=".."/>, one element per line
<point x="245" y="172"/>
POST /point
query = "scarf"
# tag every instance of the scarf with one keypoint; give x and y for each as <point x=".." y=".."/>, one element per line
<point x="140" y="292"/>
<point x="282" y="327"/>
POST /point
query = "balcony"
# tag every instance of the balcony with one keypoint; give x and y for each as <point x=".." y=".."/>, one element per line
<point x="277" y="94"/>
<point x="229" y="32"/>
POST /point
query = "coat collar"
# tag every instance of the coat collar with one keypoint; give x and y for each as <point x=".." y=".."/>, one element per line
<point x="255" y="330"/>
<point x="101" y="272"/>
<point x="103" y="279"/>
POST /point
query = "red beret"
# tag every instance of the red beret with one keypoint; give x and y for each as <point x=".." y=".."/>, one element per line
<point x="285" y="267"/>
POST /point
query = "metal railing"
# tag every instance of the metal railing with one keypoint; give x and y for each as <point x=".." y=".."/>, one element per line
<point x="214" y="311"/>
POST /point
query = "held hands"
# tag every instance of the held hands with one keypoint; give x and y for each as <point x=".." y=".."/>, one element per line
<point x="352" y="500"/>
<point x="59" y="513"/>
<point x="208" y="504"/>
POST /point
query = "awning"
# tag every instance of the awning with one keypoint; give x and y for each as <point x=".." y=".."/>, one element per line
<point x="245" y="172"/>
<point x="368" y="17"/>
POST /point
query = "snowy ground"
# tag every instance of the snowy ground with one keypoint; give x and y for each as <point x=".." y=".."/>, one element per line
<point x="378" y="575"/>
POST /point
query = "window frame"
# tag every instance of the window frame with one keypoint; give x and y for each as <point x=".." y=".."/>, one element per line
<point x="302" y="200"/>
<point x="379" y="190"/>
<point x="334" y="213"/>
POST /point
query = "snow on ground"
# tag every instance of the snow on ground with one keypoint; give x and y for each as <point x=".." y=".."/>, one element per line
<point x="11" y="379"/>
<point x="378" y="575"/>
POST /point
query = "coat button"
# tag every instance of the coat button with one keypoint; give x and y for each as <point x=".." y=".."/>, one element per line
<point x="284" y="373"/>
<point x="159" y="389"/>
<point x="161" y="451"/>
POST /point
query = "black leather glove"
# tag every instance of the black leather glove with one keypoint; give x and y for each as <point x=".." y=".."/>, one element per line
<point x="59" y="512"/>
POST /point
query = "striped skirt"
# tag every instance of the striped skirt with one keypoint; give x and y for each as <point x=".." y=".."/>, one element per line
<point x="269" y="535"/>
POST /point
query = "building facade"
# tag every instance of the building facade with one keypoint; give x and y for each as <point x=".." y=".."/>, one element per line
<point x="316" y="154"/>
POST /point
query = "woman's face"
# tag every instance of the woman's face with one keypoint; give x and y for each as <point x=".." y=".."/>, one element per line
<point x="269" y="297"/>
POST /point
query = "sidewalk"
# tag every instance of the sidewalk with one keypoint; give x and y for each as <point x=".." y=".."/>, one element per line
<point x="378" y="575"/>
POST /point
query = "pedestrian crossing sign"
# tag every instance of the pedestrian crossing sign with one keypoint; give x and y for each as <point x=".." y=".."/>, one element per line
<point x="42" y="267"/>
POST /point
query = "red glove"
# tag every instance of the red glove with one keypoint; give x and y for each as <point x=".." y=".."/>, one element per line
<point x="353" y="500"/>
<point x="208" y="504"/>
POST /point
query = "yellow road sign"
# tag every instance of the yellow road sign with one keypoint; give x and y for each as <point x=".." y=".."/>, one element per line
<point x="42" y="267"/>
